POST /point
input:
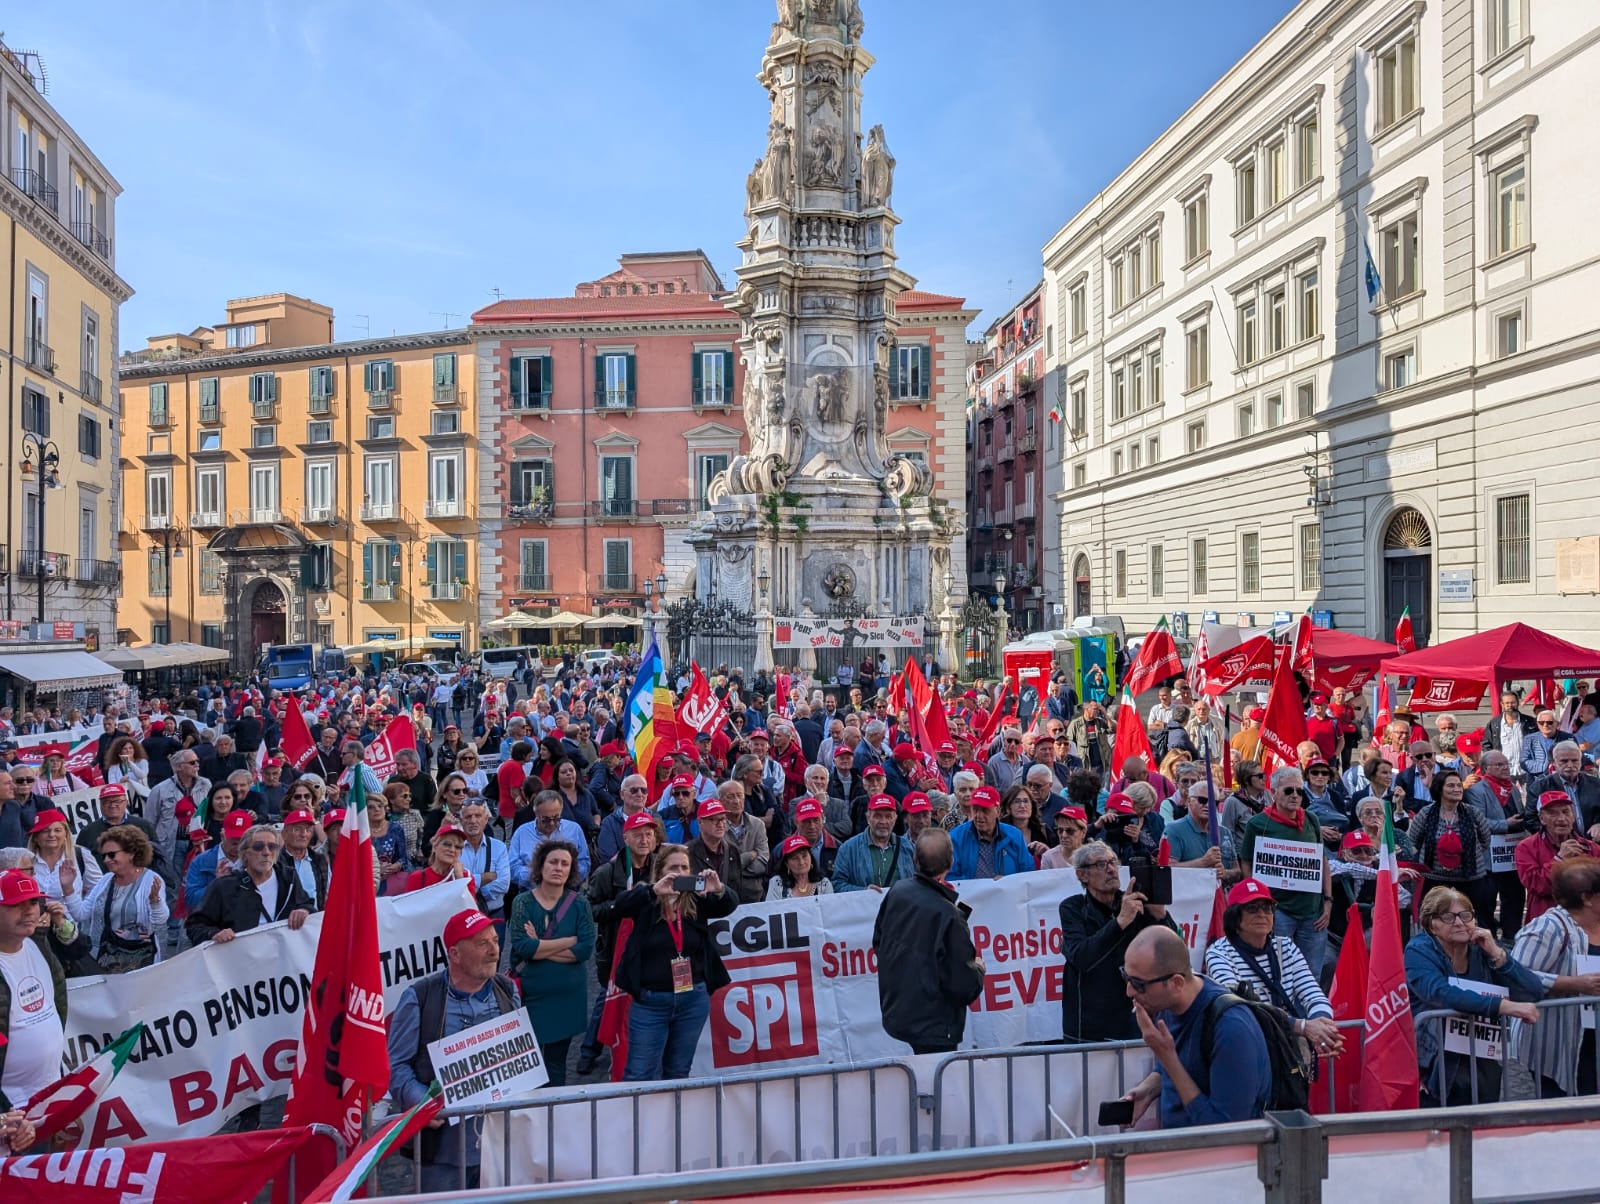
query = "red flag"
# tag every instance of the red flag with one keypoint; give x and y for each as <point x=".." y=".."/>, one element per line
<point x="1196" y="672"/>
<point x="922" y="698"/>
<point x="699" y="708"/>
<point x="1389" y="1075"/>
<point x="1131" y="740"/>
<point x="1301" y="644"/>
<point x="343" y="1059"/>
<point x="1546" y="697"/>
<point x="1349" y="1000"/>
<point x="614" y="1012"/>
<point x="1383" y="708"/>
<point x="1004" y="706"/>
<point x="780" y="698"/>
<point x="1158" y="660"/>
<point x="398" y="733"/>
<point x="295" y="740"/>
<point x="1446" y="694"/>
<point x="1404" y="636"/>
<point x="1247" y="664"/>
<point x="897" y="693"/>
<point x="1284" y="727"/>
<point x="1214" y="930"/>
<point x="345" y="1181"/>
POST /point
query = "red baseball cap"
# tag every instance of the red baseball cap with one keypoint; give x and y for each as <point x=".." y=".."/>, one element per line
<point x="807" y="809"/>
<point x="1120" y="803"/>
<point x="904" y="752"/>
<point x="464" y="924"/>
<point x="236" y="823"/>
<point x="50" y="816"/>
<point x="844" y="750"/>
<point x="449" y="829"/>
<point x="874" y="771"/>
<point x="18" y="887"/>
<point x="759" y="733"/>
<point x="1356" y="840"/>
<point x="1248" y="891"/>
<point x="683" y="781"/>
<point x="985" y="796"/>
<point x="333" y="815"/>
<point x="1550" y="798"/>
<point x="882" y="802"/>
<point x="1319" y="697"/>
<point x="184" y="809"/>
<point x="299" y="816"/>
<point x="794" y="844"/>
<point x="1318" y="763"/>
<point x="613" y="748"/>
<point x="272" y="762"/>
<point x="711" y="809"/>
<point x="1077" y="813"/>
<point x="1470" y="743"/>
<point x="639" y="819"/>
<point x="113" y="790"/>
<point x="916" y="803"/>
<point x="1255" y="714"/>
<point x="974" y="767"/>
<point x="946" y="746"/>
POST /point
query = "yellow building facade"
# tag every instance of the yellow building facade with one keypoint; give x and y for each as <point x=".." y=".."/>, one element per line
<point x="59" y="562"/>
<point x="285" y="492"/>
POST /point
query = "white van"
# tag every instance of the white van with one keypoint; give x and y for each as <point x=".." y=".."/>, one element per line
<point x="501" y="662"/>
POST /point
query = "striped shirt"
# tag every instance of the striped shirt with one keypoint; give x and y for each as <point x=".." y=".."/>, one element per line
<point x="1224" y="965"/>
<point x="1549" y="945"/>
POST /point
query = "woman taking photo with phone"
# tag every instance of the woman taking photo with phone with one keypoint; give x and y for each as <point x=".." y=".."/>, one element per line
<point x="670" y="965"/>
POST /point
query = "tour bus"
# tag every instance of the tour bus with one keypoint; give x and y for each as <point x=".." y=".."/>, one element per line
<point x="290" y="666"/>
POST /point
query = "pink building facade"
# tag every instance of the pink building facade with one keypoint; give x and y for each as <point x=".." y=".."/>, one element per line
<point x="603" y="417"/>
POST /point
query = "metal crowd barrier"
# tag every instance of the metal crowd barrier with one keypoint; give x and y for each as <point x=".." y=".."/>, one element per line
<point x="664" y="1108"/>
<point x="1481" y="1048"/>
<point x="290" y="1171"/>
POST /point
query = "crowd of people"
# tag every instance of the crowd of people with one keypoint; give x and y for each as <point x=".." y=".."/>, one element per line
<point x="589" y="874"/>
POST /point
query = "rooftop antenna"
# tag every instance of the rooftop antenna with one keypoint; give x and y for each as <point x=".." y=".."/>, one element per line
<point x="497" y="293"/>
<point x="445" y="314"/>
<point x="366" y="323"/>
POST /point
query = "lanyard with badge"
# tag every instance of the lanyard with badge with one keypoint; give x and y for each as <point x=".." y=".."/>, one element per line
<point x="682" y="979"/>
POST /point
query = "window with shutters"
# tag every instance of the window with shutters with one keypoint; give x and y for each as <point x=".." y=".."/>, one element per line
<point x="378" y="378"/>
<point x="320" y="478"/>
<point x="1250" y="562"/>
<point x="614" y="378"/>
<point x="530" y="382"/>
<point x="1078" y="300"/>
<point x="158" y="404"/>
<point x="1400" y="250"/>
<point x="1513" y="545"/>
<point x="1196" y="227"/>
<point x="911" y="372"/>
<point x="1310" y="558"/>
<point x="444" y="484"/>
<point x="533" y="559"/>
<point x="618" y="577"/>
<point x="1158" y="570"/>
<point x="706" y="467"/>
<point x="321" y="389"/>
<point x="445" y="390"/>
<point x="210" y="572"/>
<point x="1120" y="569"/>
<point x="616" y="486"/>
<point x="532" y="483"/>
<point x="1078" y="408"/>
<point x="380" y="570"/>
<point x="211" y="635"/>
<point x="88" y="437"/>
<point x="208" y="510"/>
<point x="264" y="493"/>
<point x="158" y="498"/>
<point x="1199" y="568"/>
<point x="712" y="378"/>
<point x="156" y="566"/>
<point x="447" y="569"/>
<point x="210" y="399"/>
<point x="1398" y="93"/>
<point x="379" y="475"/>
<point x="263" y="393"/>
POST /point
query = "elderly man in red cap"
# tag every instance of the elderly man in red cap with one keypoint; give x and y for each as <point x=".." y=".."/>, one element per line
<point x="466" y="993"/>
<point x="874" y="859"/>
<point x="1558" y="839"/>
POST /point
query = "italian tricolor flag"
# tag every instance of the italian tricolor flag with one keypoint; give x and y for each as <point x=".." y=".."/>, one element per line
<point x="348" y="1176"/>
<point x="69" y="1097"/>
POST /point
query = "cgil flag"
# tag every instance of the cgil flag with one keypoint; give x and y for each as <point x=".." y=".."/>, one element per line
<point x="343" y="1058"/>
<point x="1283" y="728"/>
<point x="1131" y="739"/>
<point x="1404" y="637"/>
<point x="648" y="718"/>
<point x="1157" y="661"/>
<point x="1348" y="997"/>
<point x="295" y="740"/>
<point x="1389" y="1075"/>
<point x="346" y="1179"/>
<point x="53" y="1108"/>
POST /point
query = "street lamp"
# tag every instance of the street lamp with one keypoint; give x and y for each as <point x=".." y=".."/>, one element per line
<point x="763" y="579"/>
<point x="649" y="615"/>
<point x="1002" y="627"/>
<point x="170" y="534"/>
<point x="48" y="475"/>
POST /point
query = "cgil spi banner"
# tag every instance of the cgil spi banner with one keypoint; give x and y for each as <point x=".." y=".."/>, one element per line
<point x="222" y="1022"/>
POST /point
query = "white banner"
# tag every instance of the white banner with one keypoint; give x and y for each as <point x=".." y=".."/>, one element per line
<point x="805" y="982"/>
<point x="493" y="1061"/>
<point x="1503" y="852"/>
<point x="900" y="632"/>
<point x="1469" y="1034"/>
<point x="69" y="737"/>
<point x="222" y="1021"/>
<point x="1288" y="864"/>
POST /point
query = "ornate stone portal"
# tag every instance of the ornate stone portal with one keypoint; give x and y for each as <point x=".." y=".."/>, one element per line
<point x="818" y="505"/>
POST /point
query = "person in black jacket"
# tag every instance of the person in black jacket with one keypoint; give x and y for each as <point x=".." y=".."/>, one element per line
<point x="265" y="892"/>
<point x="16" y="813"/>
<point x="670" y="965"/>
<point x="1096" y="929"/>
<point x="928" y="971"/>
<point x="224" y="761"/>
<point x="248" y="732"/>
<point x="642" y="834"/>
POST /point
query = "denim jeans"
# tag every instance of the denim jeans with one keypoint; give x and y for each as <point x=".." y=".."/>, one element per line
<point x="1308" y="938"/>
<point x="663" y="1030"/>
<point x="591" y="1046"/>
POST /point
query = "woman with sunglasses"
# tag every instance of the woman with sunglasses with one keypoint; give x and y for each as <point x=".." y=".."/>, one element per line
<point x="1451" y="838"/>
<point x="63" y="871"/>
<point x="1448" y="963"/>
<point x="449" y="749"/>
<point x="54" y="779"/>
<point x="467" y="766"/>
<point x="127" y="908"/>
<point x="1250" y="797"/>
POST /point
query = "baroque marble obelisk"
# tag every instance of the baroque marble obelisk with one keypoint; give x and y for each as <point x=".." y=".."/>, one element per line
<point x="818" y="506"/>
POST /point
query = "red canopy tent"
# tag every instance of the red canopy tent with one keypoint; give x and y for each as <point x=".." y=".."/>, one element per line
<point x="1341" y="658"/>
<point x="1515" y="652"/>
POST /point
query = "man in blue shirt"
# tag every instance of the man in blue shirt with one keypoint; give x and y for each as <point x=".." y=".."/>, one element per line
<point x="1170" y="1002"/>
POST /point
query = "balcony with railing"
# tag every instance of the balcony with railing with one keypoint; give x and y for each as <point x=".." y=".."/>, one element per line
<point x="1027" y="441"/>
<point x="533" y="583"/>
<point x="982" y="520"/>
<point x="36" y="186"/>
<point x="98" y="572"/>
<point x="614" y="583"/>
<point x="378" y="591"/>
<point x="257" y="516"/>
<point x="539" y="510"/>
<point x="1004" y="515"/>
<point x="202" y="520"/>
<point x="448" y="395"/>
<point x="1026" y="510"/>
<point x="319" y="516"/>
<point x="56" y="565"/>
<point x="614" y="507"/>
<point x="320" y="403"/>
<point x="159" y="414"/>
<point x="263" y="408"/>
<point x="380" y="399"/>
<point x="614" y="400"/>
<point x="1026" y="382"/>
<point x="445" y="591"/>
<point x="39" y="355"/>
<point x="713" y="396"/>
<point x="1006" y="452"/>
<point x="445" y="508"/>
<point x="531" y="400"/>
<point x="156" y="522"/>
<point x="90" y="386"/>
<point x="92" y="237"/>
<point x="674" y="506"/>
<point x="380" y="512"/>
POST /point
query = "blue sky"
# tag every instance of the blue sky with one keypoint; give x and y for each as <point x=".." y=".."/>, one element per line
<point x="400" y="159"/>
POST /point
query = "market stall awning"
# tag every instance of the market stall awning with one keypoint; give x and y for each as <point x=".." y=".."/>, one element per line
<point x="1515" y="652"/>
<point x="162" y="656"/>
<point x="58" y="671"/>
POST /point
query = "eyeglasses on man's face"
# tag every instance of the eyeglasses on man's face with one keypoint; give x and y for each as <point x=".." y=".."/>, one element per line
<point x="1141" y="985"/>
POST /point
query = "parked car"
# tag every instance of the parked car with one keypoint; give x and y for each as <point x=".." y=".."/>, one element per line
<point x="595" y="660"/>
<point x="445" y="671"/>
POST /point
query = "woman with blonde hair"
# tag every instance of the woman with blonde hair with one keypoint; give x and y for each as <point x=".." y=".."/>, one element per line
<point x="63" y="870"/>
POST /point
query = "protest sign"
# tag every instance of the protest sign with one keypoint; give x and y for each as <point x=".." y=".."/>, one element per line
<point x="222" y="1022"/>
<point x="397" y="734"/>
<point x="493" y="1061"/>
<point x="1503" y="852"/>
<point x="1469" y="1034"/>
<point x="1288" y="864"/>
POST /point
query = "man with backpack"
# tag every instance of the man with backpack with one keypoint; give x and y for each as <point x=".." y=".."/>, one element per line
<point x="1214" y="1063"/>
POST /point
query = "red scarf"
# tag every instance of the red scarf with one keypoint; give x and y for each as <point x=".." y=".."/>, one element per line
<point x="1502" y="790"/>
<point x="1297" y="822"/>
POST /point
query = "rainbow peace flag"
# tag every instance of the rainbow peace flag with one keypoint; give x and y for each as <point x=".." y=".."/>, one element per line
<point x="650" y="726"/>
